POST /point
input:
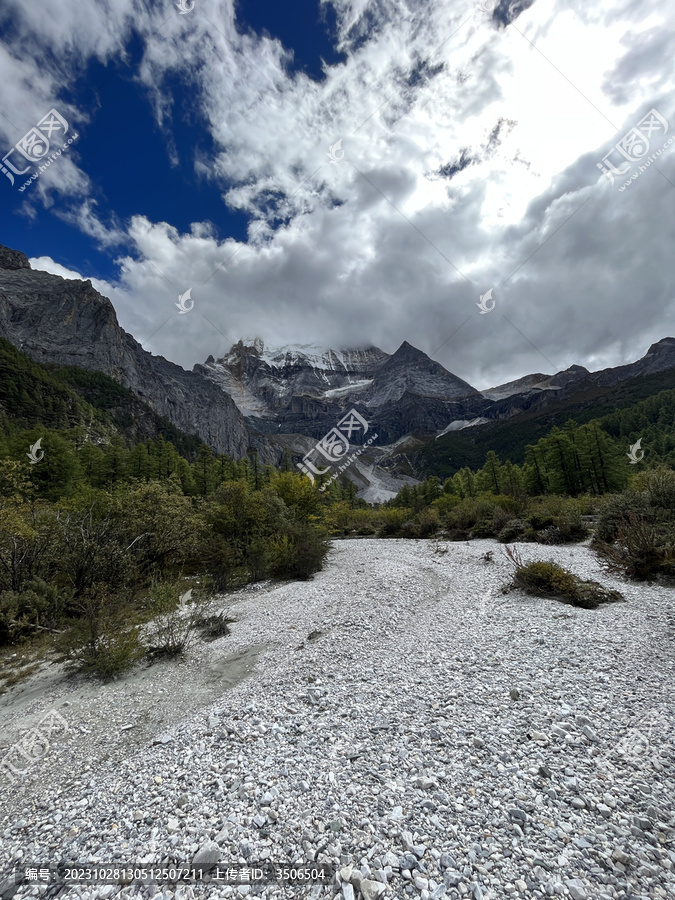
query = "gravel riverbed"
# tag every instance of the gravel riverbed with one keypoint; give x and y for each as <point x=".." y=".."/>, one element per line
<point x="397" y="717"/>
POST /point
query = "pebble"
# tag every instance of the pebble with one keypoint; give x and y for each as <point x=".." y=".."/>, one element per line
<point x="392" y="747"/>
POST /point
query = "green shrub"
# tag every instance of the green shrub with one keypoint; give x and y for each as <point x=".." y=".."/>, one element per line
<point x="469" y="513"/>
<point x="113" y="650"/>
<point x="222" y="561"/>
<point x="484" y="529"/>
<point x="11" y="632"/>
<point x="550" y="535"/>
<point x="102" y="642"/>
<point x="214" y="626"/>
<point x="548" y="579"/>
<point x="540" y="520"/>
<point x="659" y="485"/>
<point x="615" y="510"/>
<point x="501" y="519"/>
<point x="505" y="503"/>
<point x="392" y="520"/>
<point x="298" y="554"/>
<point x="635" y="533"/>
<point x="641" y="551"/>
<point x="428" y="521"/>
<point x="512" y="531"/>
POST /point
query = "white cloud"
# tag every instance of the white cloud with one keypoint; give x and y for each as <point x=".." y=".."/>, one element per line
<point x="369" y="247"/>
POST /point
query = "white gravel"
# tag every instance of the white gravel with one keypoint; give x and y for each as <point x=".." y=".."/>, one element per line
<point x="437" y="739"/>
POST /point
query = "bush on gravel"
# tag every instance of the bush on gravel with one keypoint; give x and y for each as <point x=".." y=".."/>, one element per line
<point x="548" y="579"/>
<point x="101" y="642"/>
<point x="635" y="534"/>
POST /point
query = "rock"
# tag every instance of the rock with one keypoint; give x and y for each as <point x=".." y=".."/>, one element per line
<point x="372" y="890"/>
<point x="521" y="886"/>
<point x="422" y="884"/>
<point x="451" y="878"/>
<point x="13" y="259"/>
<point x="346" y="873"/>
<point x="172" y="825"/>
<point x="347" y="891"/>
<point x="478" y="742"/>
<point x="517" y="815"/>
<point x="514" y="694"/>
<point x="590" y="734"/>
<point x="407" y="840"/>
<point x="576" y="888"/>
<point x="389" y="859"/>
<point x="207" y="855"/>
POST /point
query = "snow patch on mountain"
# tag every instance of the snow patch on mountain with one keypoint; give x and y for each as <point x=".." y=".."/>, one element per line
<point x="461" y="424"/>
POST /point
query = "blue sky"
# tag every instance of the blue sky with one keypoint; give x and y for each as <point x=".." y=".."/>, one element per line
<point x="466" y="141"/>
<point x="127" y="156"/>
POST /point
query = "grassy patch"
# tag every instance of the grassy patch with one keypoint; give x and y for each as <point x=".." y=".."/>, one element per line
<point x="548" y="579"/>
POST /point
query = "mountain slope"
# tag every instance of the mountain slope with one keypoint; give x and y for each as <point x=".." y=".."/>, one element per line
<point x="62" y="398"/>
<point x="55" y="320"/>
<point x="509" y="438"/>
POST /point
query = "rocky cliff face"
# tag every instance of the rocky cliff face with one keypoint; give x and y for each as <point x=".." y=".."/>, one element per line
<point x="55" y="320"/>
<point x="307" y="389"/>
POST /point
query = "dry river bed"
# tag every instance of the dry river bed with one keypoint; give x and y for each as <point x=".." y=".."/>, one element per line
<point x="397" y="718"/>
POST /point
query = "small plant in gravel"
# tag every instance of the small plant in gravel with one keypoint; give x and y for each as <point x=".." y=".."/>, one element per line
<point x="175" y="618"/>
<point x="214" y="626"/>
<point x="549" y="579"/>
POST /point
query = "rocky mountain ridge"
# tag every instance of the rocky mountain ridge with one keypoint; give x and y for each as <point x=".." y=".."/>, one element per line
<point x="271" y="398"/>
<point x="306" y="389"/>
<point x="58" y="320"/>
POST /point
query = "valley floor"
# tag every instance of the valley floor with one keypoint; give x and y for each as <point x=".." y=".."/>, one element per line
<point x="397" y="716"/>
